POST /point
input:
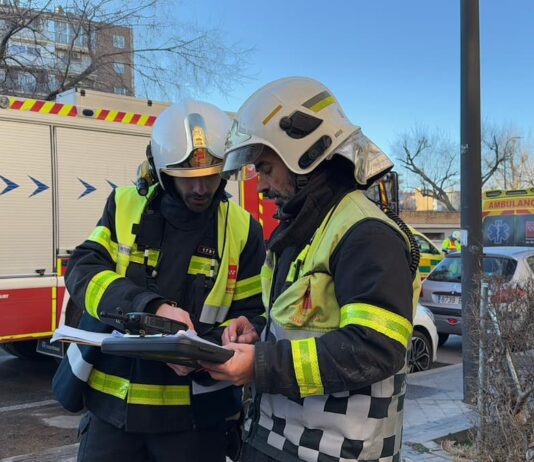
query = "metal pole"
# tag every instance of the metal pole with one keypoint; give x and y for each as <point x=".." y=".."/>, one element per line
<point x="471" y="187"/>
<point x="482" y="371"/>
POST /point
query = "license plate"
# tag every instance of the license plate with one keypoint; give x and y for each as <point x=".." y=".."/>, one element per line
<point x="56" y="349"/>
<point x="449" y="299"/>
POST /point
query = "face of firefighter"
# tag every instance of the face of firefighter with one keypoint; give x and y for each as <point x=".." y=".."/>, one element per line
<point x="197" y="192"/>
<point x="275" y="180"/>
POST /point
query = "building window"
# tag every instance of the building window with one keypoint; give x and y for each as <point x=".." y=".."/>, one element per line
<point x="76" y="57"/>
<point x="62" y="32"/>
<point x="61" y="58"/>
<point x="81" y="39"/>
<point x="68" y="34"/>
<point x="34" y="51"/>
<point x="26" y="82"/>
<point x="52" y="81"/>
<point x="119" y="41"/>
<point x="120" y="91"/>
<point x="119" y="68"/>
<point x="17" y="50"/>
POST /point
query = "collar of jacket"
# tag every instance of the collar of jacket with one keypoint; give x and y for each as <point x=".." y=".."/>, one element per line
<point x="303" y="214"/>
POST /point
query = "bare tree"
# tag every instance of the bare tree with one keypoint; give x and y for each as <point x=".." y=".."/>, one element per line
<point x="75" y="45"/>
<point x="432" y="162"/>
<point x="432" y="159"/>
<point x="508" y="161"/>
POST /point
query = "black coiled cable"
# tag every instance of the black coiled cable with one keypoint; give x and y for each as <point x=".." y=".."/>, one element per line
<point x="415" y="255"/>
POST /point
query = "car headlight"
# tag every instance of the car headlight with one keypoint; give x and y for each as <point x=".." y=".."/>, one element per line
<point x="425" y="310"/>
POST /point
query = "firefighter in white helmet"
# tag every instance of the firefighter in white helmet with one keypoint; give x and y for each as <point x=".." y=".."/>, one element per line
<point x="452" y="243"/>
<point x="183" y="252"/>
<point x="339" y="284"/>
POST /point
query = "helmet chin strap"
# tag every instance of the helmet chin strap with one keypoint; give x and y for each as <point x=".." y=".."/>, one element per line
<point x="301" y="181"/>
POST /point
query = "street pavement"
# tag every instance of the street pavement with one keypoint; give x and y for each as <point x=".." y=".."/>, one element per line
<point x="433" y="410"/>
<point x="38" y="430"/>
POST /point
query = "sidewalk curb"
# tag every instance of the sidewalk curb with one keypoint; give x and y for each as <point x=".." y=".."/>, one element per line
<point x="436" y="370"/>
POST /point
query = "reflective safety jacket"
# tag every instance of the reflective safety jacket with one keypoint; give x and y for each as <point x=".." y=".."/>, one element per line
<point x="451" y="245"/>
<point x="123" y="264"/>
<point x="336" y="341"/>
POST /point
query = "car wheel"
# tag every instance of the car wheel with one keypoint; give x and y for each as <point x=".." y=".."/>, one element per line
<point x="442" y="338"/>
<point x="420" y="353"/>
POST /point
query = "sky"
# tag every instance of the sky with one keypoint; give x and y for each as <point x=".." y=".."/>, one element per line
<point x="392" y="64"/>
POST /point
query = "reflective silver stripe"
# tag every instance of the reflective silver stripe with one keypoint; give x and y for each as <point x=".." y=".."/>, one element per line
<point x="198" y="389"/>
<point x="223" y="311"/>
<point x="211" y="314"/>
<point x="125" y="249"/>
<point x="80" y="367"/>
<point x="294" y="334"/>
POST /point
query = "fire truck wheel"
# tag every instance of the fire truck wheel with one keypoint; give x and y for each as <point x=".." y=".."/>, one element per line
<point x="23" y="350"/>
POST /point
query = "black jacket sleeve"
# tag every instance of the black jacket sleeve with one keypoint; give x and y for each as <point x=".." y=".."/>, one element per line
<point x="91" y="258"/>
<point x="370" y="266"/>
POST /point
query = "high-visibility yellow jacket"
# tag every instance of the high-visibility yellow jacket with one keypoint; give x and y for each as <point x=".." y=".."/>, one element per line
<point x="330" y="371"/>
<point x="451" y="245"/>
<point x="209" y="264"/>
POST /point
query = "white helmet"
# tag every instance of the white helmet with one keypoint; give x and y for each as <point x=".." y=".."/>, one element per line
<point x="456" y="235"/>
<point x="188" y="140"/>
<point x="301" y="120"/>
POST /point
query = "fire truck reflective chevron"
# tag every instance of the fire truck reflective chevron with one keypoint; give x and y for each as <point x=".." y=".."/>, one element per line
<point x="44" y="107"/>
<point x="40" y="186"/>
<point x="10" y="185"/>
<point x="88" y="188"/>
<point x="60" y="161"/>
<point x="69" y="110"/>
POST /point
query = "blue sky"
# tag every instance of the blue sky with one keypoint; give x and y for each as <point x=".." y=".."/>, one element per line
<point x="392" y="64"/>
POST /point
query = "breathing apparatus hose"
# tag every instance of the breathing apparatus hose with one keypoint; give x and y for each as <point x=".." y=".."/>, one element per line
<point x="415" y="255"/>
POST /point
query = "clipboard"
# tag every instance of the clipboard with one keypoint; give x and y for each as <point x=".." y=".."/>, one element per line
<point x="173" y="349"/>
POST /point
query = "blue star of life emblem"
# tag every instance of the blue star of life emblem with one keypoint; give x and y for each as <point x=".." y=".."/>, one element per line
<point x="498" y="232"/>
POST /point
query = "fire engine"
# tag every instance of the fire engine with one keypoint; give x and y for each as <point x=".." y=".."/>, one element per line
<point x="508" y="217"/>
<point x="60" y="160"/>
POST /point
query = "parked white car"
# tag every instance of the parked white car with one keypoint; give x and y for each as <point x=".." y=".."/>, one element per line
<point x="424" y="344"/>
<point x="442" y="289"/>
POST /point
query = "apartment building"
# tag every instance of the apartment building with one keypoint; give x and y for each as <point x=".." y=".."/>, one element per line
<point x="59" y="45"/>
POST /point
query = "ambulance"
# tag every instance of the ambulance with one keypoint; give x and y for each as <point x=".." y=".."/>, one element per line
<point x="430" y="255"/>
<point x="508" y="218"/>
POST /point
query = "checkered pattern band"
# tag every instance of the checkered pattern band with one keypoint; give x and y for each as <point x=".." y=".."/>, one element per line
<point x="360" y="426"/>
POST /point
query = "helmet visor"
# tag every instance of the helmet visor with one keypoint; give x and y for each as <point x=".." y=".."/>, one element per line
<point x="370" y="162"/>
<point x="199" y="163"/>
<point x="239" y="163"/>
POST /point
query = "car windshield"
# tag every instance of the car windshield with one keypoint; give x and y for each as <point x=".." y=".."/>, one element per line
<point x="450" y="269"/>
